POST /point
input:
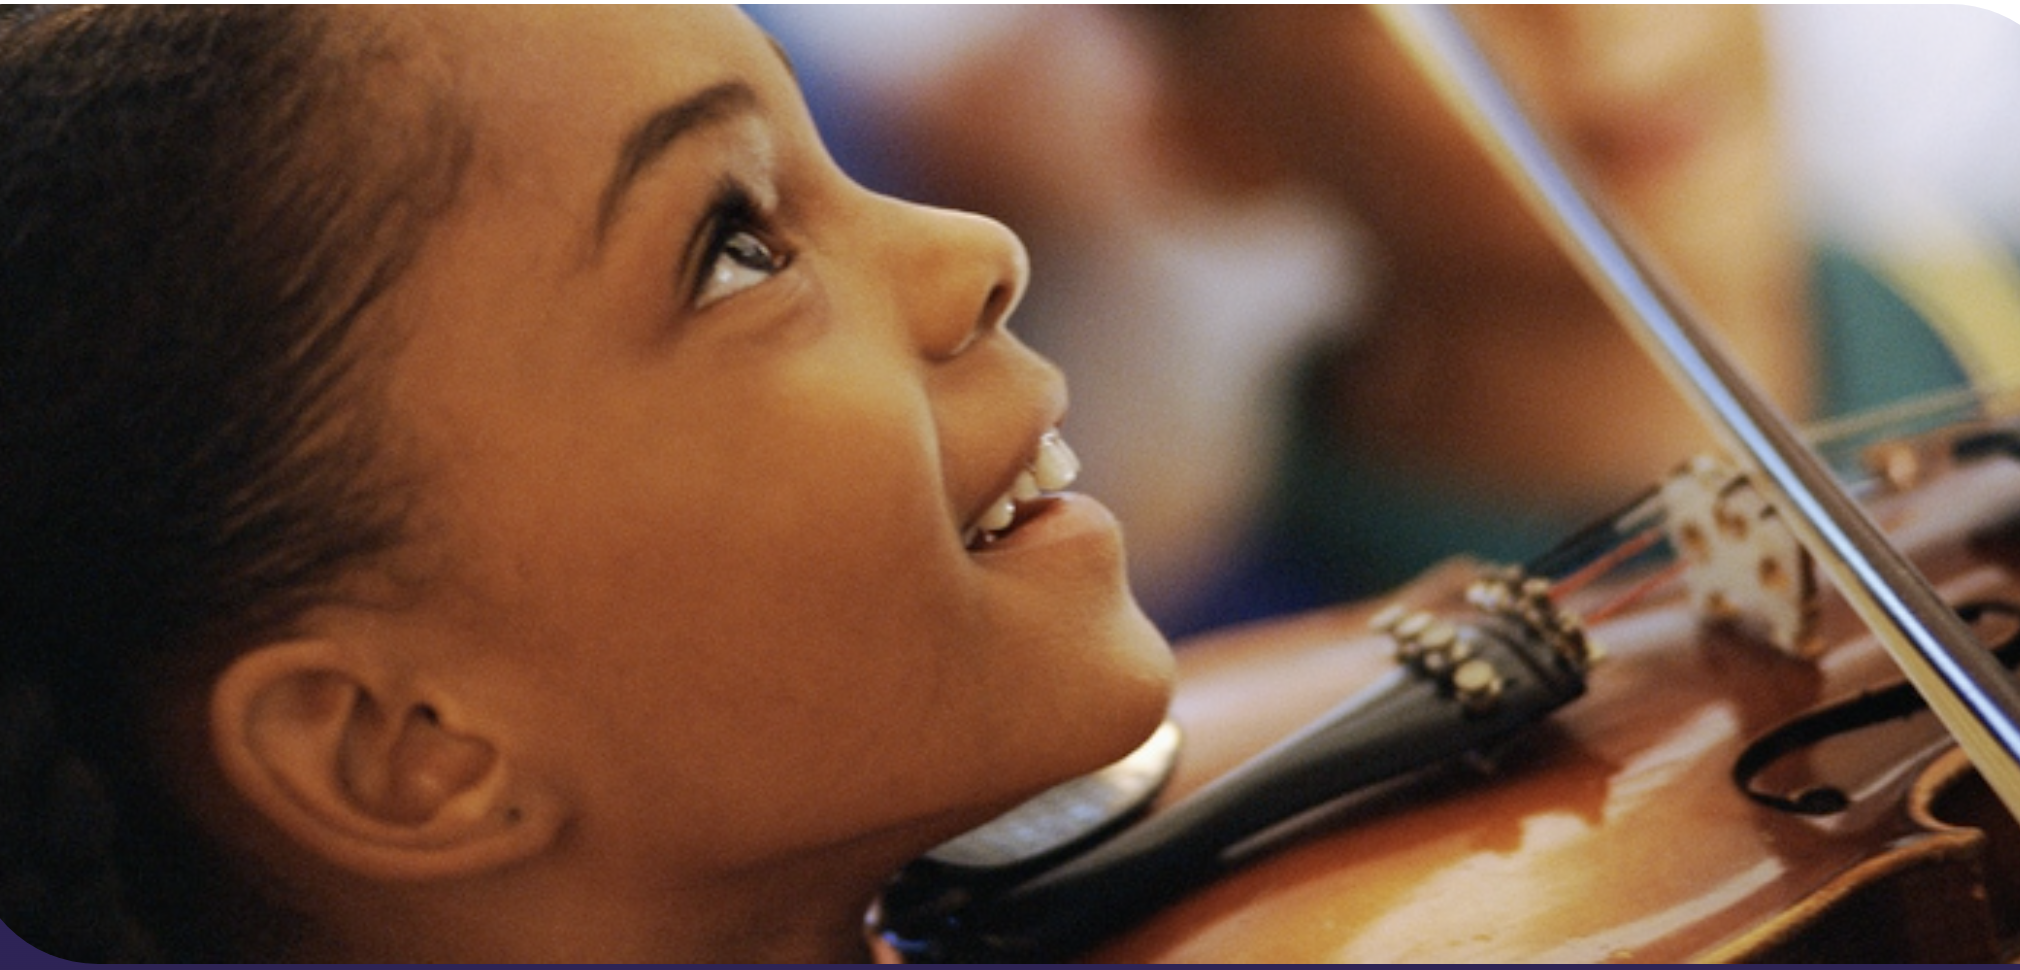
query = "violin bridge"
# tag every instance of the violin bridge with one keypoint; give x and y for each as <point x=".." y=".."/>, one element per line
<point x="1742" y="564"/>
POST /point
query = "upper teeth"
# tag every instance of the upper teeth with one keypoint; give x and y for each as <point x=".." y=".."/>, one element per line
<point x="1053" y="468"/>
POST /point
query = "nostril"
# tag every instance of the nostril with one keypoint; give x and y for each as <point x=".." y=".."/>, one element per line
<point x="995" y="312"/>
<point x="971" y="274"/>
<point x="996" y="309"/>
<point x="967" y="341"/>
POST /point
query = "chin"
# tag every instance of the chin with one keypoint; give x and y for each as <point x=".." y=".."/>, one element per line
<point x="1101" y="674"/>
<point x="1139" y="695"/>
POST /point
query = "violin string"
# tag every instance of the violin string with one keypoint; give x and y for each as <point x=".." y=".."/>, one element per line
<point x="1592" y="540"/>
<point x="1605" y="532"/>
<point x="1947" y="408"/>
<point x="1586" y="574"/>
<point x="1637" y="591"/>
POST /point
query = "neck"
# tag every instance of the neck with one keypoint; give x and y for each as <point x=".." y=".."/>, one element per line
<point x="810" y="913"/>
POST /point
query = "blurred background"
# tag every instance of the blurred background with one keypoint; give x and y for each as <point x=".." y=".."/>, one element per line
<point x="1280" y="288"/>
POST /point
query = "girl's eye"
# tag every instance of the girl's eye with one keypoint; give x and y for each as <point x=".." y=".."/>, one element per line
<point x="739" y="261"/>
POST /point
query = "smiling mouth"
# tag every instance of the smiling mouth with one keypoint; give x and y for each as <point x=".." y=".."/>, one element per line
<point x="1051" y="469"/>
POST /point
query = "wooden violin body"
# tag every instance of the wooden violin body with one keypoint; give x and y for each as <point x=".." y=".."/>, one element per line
<point x="1615" y="831"/>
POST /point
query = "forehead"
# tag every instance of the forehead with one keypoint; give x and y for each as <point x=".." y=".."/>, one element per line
<point x="587" y="72"/>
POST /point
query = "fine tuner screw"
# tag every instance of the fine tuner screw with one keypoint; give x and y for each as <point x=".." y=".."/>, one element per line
<point x="1435" y="648"/>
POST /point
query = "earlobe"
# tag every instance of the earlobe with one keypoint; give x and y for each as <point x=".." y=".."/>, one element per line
<point x="356" y="764"/>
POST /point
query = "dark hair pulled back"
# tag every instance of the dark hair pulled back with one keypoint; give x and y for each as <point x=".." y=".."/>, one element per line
<point x="197" y="207"/>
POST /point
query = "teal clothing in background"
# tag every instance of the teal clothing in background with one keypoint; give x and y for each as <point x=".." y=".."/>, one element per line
<point x="1339" y="527"/>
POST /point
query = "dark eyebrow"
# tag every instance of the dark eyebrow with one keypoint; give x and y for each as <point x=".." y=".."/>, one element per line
<point x="658" y="132"/>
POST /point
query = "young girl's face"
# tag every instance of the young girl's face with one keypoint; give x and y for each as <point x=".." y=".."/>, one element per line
<point x="704" y="430"/>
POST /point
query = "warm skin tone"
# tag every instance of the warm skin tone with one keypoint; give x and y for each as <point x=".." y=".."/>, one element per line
<point x="698" y="655"/>
<point x="1488" y="356"/>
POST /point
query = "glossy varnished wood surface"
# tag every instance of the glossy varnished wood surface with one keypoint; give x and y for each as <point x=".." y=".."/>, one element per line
<point x="1614" y="831"/>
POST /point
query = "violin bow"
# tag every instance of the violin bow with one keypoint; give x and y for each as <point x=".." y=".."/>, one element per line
<point x="1977" y="701"/>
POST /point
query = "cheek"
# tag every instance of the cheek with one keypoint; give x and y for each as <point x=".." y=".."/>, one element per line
<point x="720" y="518"/>
<point x="748" y="627"/>
<point x="824" y="485"/>
<point x="799" y="529"/>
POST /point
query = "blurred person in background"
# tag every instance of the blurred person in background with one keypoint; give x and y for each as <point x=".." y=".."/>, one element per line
<point x="1488" y="402"/>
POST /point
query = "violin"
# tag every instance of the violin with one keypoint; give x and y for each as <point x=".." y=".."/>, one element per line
<point x="1723" y="782"/>
<point x="1668" y="740"/>
<point x="1621" y="828"/>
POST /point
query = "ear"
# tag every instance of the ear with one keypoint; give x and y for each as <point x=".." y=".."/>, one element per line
<point x="356" y="764"/>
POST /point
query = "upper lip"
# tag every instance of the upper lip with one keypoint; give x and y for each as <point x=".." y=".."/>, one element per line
<point x="1041" y="413"/>
<point x="1008" y="481"/>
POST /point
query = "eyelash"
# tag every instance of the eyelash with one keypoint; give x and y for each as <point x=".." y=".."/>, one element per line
<point x="740" y="241"/>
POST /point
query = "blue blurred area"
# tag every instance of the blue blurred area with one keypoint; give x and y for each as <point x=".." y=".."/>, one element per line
<point x="846" y="114"/>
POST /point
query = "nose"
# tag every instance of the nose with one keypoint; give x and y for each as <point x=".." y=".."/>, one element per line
<point x="965" y="274"/>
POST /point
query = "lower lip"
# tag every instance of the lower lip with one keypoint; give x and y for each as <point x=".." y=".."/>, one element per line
<point x="1066" y="517"/>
